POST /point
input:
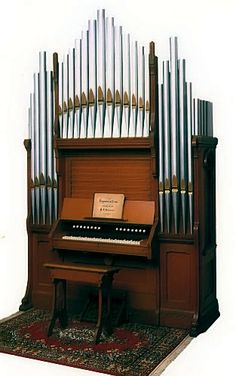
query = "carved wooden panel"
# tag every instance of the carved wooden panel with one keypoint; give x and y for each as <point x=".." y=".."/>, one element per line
<point x="177" y="276"/>
<point x="142" y="286"/>
<point x="42" y="285"/>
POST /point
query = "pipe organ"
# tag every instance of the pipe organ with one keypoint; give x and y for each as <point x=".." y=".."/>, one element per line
<point x="109" y="119"/>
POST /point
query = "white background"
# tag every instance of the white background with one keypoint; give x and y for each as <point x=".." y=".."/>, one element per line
<point x="206" y="31"/>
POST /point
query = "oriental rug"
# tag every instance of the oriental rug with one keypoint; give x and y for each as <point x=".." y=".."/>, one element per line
<point x="132" y="349"/>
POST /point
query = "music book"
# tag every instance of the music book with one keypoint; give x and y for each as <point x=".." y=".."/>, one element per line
<point x="108" y="205"/>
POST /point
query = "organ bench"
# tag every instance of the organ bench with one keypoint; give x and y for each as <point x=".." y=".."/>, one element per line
<point x="99" y="275"/>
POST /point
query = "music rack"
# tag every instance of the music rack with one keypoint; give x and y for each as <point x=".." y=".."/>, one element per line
<point x="174" y="283"/>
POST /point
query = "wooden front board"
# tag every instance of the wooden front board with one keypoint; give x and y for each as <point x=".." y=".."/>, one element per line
<point x="134" y="211"/>
<point x="114" y="172"/>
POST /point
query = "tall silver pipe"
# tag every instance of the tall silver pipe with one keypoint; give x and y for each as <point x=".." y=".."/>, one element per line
<point x="92" y="66"/>
<point x="126" y="86"/>
<point x="174" y="128"/>
<point x="116" y="131"/>
<point x="147" y="97"/>
<point x="200" y="117"/>
<point x="199" y="123"/>
<point x="42" y="112"/>
<point x="77" y="88"/>
<point x="193" y="118"/>
<point x="65" y="97"/>
<point x="210" y="119"/>
<point x="101" y="73"/>
<point x="182" y="139"/>
<point x="167" y="140"/>
<point x="32" y="138"/>
<point x="54" y="172"/>
<point x="205" y="118"/>
<point x="37" y="147"/>
<point x="71" y="91"/>
<point x="204" y="125"/>
<point x="60" y="89"/>
<point x="84" y="86"/>
<point x="134" y="88"/>
<point x="161" y="155"/>
<point x="141" y="92"/>
<point x="42" y="129"/>
<point x="50" y="145"/>
<point x="110" y="77"/>
<point x="189" y="153"/>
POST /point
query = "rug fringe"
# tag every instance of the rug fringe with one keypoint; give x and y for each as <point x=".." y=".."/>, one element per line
<point x="171" y="357"/>
<point x="11" y="316"/>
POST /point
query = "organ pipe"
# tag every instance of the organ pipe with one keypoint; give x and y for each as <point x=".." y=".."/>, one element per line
<point x="104" y="92"/>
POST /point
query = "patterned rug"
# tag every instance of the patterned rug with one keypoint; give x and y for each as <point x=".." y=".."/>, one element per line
<point x="132" y="349"/>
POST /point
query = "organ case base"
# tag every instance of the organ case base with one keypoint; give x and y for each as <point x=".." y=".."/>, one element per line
<point x="177" y="287"/>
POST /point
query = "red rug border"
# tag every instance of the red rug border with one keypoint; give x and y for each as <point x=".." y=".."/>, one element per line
<point x="64" y="363"/>
<point x="54" y="362"/>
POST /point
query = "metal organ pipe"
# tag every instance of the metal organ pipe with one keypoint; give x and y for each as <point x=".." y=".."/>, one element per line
<point x="36" y="150"/>
<point x="104" y="91"/>
<point x="104" y="84"/>
<point x="41" y="123"/>
<point x="180" y="117"/>
<point x="77" y="86"/>
<point x="167" y="141"/>
<point x="174" y="129"/>
<point x="110" y="76"/>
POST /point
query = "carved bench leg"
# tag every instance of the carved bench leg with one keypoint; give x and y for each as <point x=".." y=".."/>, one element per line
<point x="108" y="324"/>
<point x="59" y="309"/>
<point x="63" y="318"/>
<point x="100" y="314"/>
<point x="104" y="289"/>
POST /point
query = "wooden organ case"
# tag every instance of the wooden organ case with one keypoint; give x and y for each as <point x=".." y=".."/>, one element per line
<point x="169" y="278"/>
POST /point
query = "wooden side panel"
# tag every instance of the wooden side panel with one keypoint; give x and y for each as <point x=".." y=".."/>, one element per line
<point x="178" y="285"/>
<point x="205" y="230"/>
<point x="142" y="286"/>
<point x="204" y="191"/>
<point x="42" y="286"/>
<point x="208" y="283"/>
<point x="176" y="292"/>
<point x="208" y="303"/>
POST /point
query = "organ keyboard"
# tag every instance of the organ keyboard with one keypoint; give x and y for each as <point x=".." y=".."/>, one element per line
<point x="132" y="235"/>
<point x="102" y="240"/>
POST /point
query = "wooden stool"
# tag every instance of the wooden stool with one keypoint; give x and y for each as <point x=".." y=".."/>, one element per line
<point x="99" y="275"/>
